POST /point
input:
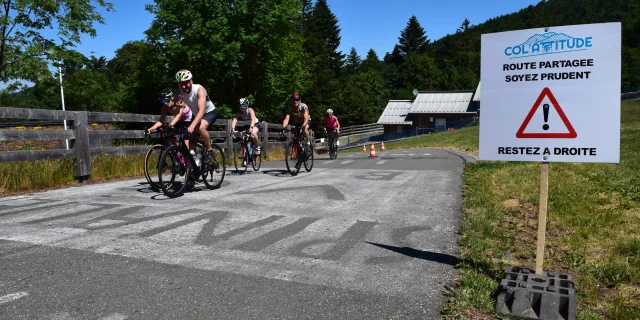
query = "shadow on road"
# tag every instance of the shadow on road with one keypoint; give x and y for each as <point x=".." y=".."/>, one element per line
<point x="424" y="255"/>
<point x="277" y="172"/>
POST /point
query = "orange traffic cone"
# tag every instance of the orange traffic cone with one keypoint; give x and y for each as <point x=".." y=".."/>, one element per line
<point x="364" y="148"/>
<point x="373" y="151"/>
<point x="382" y="147"/>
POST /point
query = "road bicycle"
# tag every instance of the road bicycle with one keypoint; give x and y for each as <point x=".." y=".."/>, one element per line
<point x="152" y="157"/>
<point x="332" y="142"/>
<point x="298" y="153"/>
<point x="179" y="170"/>
<point x="246" y="153"/>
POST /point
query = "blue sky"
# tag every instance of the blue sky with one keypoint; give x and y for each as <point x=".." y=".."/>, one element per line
<point x="364" y="24"/>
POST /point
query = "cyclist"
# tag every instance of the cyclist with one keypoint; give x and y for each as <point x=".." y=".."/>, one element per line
<point x="331" y="123"/>
<point x="300" y="113"/>
<point x="182" y="115"/>
<point x="245" y="113"/>
<point x="196" y="98"/>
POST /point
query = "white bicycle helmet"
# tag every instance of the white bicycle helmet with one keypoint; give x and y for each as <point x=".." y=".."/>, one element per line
<point x="183" y="75"/>
<point x="244" y="102"/>
<point x="329" y="111"/>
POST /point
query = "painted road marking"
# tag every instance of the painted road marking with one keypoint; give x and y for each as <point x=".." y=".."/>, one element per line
<point x="427" y="154"/>
<point x="345" y="162"/>
<point x="381" y="161"/>
<point x="397" y="154"/>
<point x="12" y="297"/>
<point x="307" y="241"/>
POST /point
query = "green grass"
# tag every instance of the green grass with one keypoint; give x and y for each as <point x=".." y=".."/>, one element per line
<point x="593" y="225"/>
<point x="465" y="139"/>
<point x="30" y="176"/>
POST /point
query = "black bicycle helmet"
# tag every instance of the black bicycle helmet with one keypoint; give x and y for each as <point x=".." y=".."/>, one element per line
<point x="165" y="93"/>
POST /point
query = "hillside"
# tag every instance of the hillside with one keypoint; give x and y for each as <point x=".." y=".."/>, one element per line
<point x="559" y="13"/>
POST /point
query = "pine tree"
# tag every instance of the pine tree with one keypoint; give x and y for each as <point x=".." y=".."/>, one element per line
<point x="323" y="26"/>
<point x="372" y="62"/>
<point x="353" y="61"/>
<point x="413" y="38"/>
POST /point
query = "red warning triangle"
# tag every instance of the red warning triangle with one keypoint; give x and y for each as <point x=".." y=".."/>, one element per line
<point x="546" y="92"/>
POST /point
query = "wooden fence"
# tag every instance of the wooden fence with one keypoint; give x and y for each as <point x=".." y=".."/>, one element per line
<point x="84" y="143"/>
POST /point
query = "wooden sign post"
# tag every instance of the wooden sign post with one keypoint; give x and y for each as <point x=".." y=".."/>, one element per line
<point x="542" y="216"/>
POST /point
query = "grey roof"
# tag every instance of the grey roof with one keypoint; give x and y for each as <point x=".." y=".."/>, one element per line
<point x="395" y="112"/>
<point x="476" y="96"/>
<point x="442" y="102"/>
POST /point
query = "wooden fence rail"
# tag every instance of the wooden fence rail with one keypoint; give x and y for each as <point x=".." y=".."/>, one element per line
<point x="85" y="143"/>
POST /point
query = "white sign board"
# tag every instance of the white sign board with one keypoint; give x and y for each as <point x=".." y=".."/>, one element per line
<point x="551" y="94"/>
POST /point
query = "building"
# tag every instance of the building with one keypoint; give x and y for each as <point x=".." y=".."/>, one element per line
<point x="476" y="99"/>
<point x="394" y="116"/>
<point x="437" y="110"/>
<point x="441" y="109"/>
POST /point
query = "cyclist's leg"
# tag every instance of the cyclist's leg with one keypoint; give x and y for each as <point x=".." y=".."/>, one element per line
<point x="208" y="119"/>
<point x="306" y="131"/>
<point x="256" y="141"/>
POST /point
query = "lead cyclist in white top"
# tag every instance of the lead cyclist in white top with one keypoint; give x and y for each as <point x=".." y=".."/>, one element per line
<point x="204" y="114"/>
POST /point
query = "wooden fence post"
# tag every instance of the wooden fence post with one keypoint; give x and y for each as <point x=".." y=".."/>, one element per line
<point x="229" y="140"/>
<point x="82" y="165"/>
<point x="265" y="139"/>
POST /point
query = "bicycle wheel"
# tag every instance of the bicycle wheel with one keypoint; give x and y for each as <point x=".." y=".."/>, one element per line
<point x="214" y="171"/>
<point x="240" y="155"/>
<point x="200" y="150"/>
<point x="291" y="158"/>
<point x="257" y="161"/>
<point x="308" y="158"/>
<point x="335" y="148"/>
<point x="151" y="161"/>
<point x="174" y="172"/>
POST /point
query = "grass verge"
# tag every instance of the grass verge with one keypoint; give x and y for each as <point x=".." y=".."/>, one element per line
<point x="32" y="176"/>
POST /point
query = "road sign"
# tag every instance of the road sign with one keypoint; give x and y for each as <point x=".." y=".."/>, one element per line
<point x="551" y="94"/>
<point x="546" y="131"/>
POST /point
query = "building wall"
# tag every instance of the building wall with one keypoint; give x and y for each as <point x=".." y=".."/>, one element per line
<point x="393" y="128"/>
<point x="429" y="120"/>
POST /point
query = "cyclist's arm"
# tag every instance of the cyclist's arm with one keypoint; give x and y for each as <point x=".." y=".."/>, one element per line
<point x="159" y="122"/>
<point x="177" y="118"/>
<point x="338" y="122"/>
<point x="285" y="122"/>
<point x="234" y="121"/>
<point x="306" y="118"/>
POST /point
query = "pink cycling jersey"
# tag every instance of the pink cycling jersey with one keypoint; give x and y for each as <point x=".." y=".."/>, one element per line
<point x="186" y="113"/>
<point x="331" y="123"/>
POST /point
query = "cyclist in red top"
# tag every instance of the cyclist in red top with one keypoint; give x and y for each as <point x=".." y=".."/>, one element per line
<point x="331" y="123"/>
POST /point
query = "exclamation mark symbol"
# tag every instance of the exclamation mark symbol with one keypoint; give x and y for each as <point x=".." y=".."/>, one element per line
<point x="545" y="109"/>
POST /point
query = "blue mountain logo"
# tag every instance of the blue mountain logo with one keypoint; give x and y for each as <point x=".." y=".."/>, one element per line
<point x="548" y="43"/>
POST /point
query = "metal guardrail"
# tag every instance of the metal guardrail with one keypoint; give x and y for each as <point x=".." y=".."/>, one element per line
<point x="361" y="129"/>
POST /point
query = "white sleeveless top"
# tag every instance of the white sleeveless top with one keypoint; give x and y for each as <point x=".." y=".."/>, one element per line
<point x="191" y="99"/>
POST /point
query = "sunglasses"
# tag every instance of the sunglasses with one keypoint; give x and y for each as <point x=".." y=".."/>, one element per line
<point x="165" y="101"/>
<point x="184" y="83"/>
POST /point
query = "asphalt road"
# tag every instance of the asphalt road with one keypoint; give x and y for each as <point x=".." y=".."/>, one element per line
<point x="355" y="238"/>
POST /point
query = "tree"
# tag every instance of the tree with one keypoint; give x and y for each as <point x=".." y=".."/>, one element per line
<point x="372" y="62"/>
<point x="353" y="61"/>
<point x="324" y="35"/>
<point x="233" y="50"/>
<point x="464" y="26"/>
<point x="23" y="47"/>
<point x="412" y="38"/>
